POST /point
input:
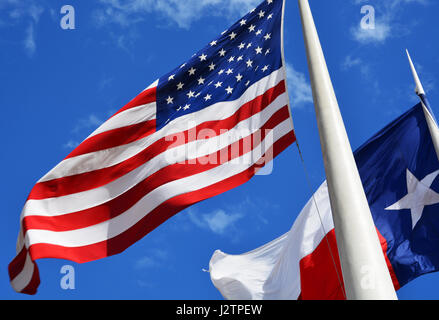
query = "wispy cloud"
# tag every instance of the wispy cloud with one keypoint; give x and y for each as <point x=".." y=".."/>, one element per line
<point x="181" y="13"/>
<point x="29" y="40"/>
<point x="83" y="127"/>
<point x="387" y="21"/>
<point x="91" y="121"/>
<point x="298" y="87"/>
<point x="217" y="221"/>
<point x="18" y="13"/>
<point x="154" y="258"/>
<point x="349" y="62"/>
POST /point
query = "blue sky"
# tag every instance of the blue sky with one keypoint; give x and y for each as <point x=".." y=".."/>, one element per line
<point x="58" y="85"/>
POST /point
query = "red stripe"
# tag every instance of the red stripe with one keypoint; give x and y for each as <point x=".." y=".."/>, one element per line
<point x="119" y="205"/>
<point x="32" y="287"/>
<point x="97" y="178"/>
<point x="115" y="137"/>
<point x="166" y="210"/>
<point x="145" y="97"/>
<point x="318" y="275"/>
<point x="16" y="265"/>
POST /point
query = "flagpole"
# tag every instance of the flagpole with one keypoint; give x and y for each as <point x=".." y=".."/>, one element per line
<point x="431" y="122"/>
<point x="364" y="269"/>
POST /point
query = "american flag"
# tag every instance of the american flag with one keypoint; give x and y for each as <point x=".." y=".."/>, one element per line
<point x="196" y="132"/>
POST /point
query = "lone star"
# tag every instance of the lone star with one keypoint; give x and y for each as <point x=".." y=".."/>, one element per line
<point x="419" y="195"/>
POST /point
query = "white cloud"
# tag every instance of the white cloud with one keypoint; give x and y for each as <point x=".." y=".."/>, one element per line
<point x="82" y="128"/>
<point x="71" y="144"/>
<point x="387" y="24"/>
<point x="217" y="221"/>
<point x="182" y="13"/>
<point x="298" y="87"/>
<point x="29" y="40"/>
<point x="27" y="12"/>
<point x="153" y="258"/>
<point x="350" y="62"/>
<point x="90" y="122"/>
<point x="379" y="34"/>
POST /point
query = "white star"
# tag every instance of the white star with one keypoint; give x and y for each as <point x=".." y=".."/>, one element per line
<point x="212" y="66"/>
<point x="267" y="36"/>
<point x="229" y="90"/>
<point x="213" y="43"/>
<point x="186" y="107"/>
<point x="178" y="109"/>
<point x="239" y="58"/>
<point x="221" y="72"/>
<point x="203" y="57"/>
<point x="265" y="68"/>
<point x="232" y="36"/>
<point x="232" y="59"/>
<point x="171" y="77"/>
<point x="249" y="63"/>
<point x="270" y="16"/>
<point x="258" y="50"/>
<point x="247" y="83"/>
<point x="170" y="100"/>
<point x="192" y="71"/>
<point x="190" y="94"/>
<point x="238" y="77"/>
<point x="229" y="71"/>
<point x="208" y="97"/>
<point x="201" y="80"/>
<point x="249" y="45"/>
<point x="418" y="196"/>
<point x="269" y="1"/>
<point x="218" y="84"/>
<point x="182" y="65"/>
<point x="267" y="52"/>
<point x="241" y="46"/>
<point x="252" y="28"/>
<point x="242" y="22"/>
<point x="180" y="86"/>
<point x="261" y="14"/>
<point x="252" y="10"/>
<point x="259" y="32"/>
<point x="222" y="52"/>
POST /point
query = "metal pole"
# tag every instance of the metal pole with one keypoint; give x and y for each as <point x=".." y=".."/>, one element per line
<point x="364" y="269"/>
<point x="431" y="122"/>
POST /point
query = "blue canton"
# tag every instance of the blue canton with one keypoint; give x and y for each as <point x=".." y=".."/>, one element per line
<point x="226" y="67"/>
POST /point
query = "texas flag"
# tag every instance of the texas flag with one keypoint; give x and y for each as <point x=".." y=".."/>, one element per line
<point x="399" y="170"/>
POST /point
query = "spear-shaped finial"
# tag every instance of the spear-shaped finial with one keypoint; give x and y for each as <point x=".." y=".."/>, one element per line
<point x="419" y="88"/>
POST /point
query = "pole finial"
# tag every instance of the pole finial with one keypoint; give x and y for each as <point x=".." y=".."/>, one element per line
<point x="419" y="88"/>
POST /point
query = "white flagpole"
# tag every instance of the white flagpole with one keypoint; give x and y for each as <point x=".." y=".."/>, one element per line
<point x="364" y="269"/>
<point x="432" y="125"/>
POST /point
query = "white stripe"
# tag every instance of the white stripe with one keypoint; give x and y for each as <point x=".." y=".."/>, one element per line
<point x="25" y="276"/>
<point x="91" y="198"/>
<point x="128" y="117"/>
<point x="152" y="85"/>
<point x="82" y="163"/>
<point x="109" y="157"/>
<point x="111" y="228"/>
